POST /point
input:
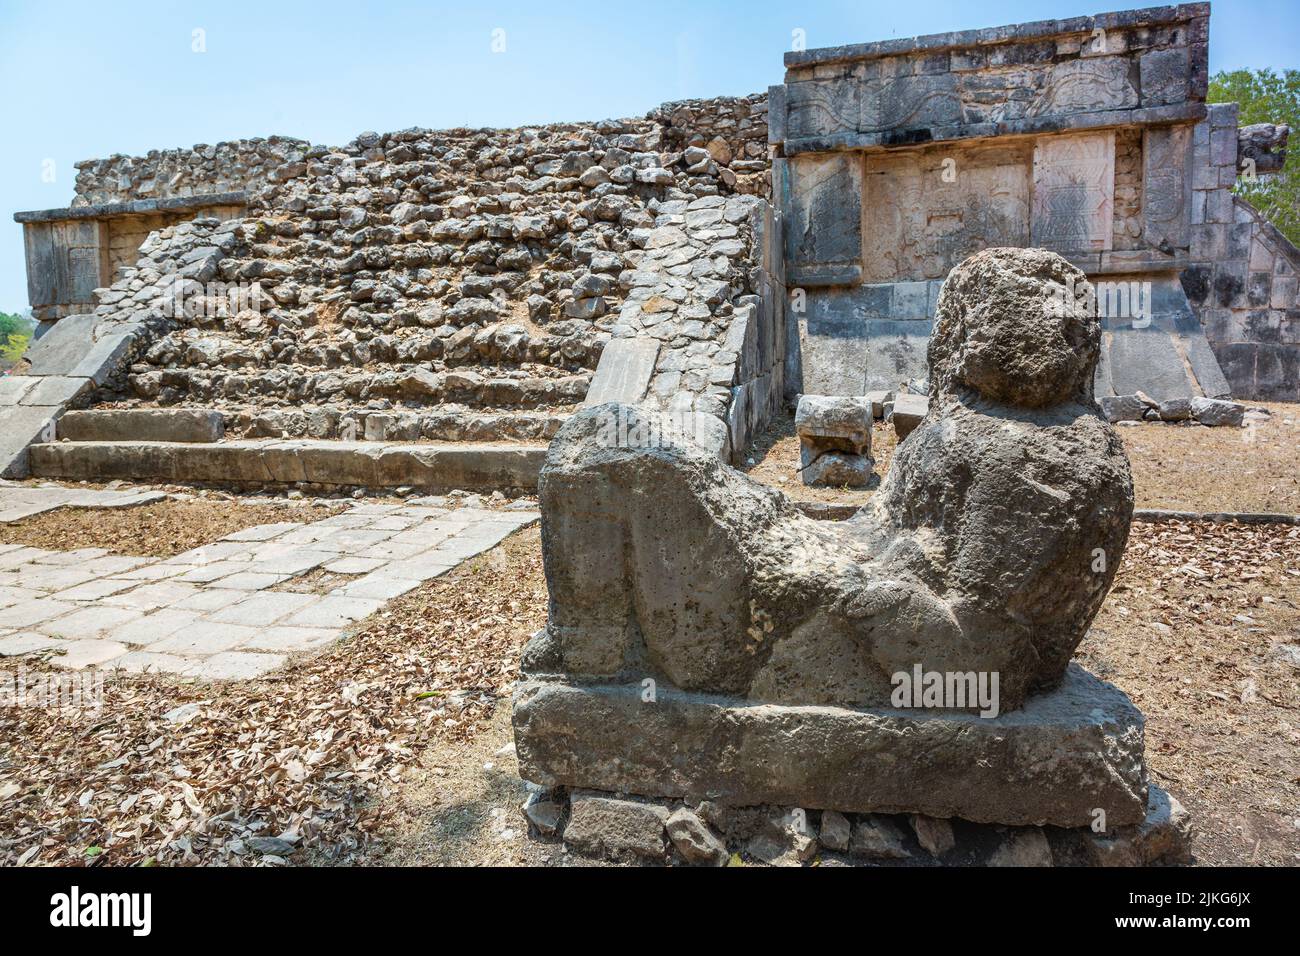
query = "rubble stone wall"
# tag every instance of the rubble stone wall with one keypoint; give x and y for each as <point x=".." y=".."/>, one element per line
<point x="733" y="129"/>
<point x="172" y="173"/>
<point x="459" y="284"/>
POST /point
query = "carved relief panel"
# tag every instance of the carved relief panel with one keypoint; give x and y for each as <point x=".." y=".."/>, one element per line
<point x="1074" y="192"/>
<point x="926" y="211"/>
<point x="823" y="228"/>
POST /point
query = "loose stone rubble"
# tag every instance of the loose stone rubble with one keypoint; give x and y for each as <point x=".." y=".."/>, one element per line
<point x="448" y="285"/>
<point x="171" y="173"/>
<point x="643" y="831"/>
<point x="456" y="285"/>
<point x="1210" y="412"/>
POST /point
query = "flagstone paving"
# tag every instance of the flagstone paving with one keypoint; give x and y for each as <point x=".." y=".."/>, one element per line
<point x="23" y="501"/>
<point x="214" y="612"/>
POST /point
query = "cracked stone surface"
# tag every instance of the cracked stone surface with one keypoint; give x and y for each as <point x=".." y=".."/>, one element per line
<point x="23" y="501"/>
<point x="211" y="613"/>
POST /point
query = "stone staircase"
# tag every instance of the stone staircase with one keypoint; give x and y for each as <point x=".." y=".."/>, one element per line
<point x="425" y="309"/>
<point x="190" y="446"/>
<point x="414" y="285"/>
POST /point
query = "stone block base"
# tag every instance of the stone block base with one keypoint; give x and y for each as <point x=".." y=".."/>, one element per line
<point x="640" y="830"/>
<point x="1065" y="755"/>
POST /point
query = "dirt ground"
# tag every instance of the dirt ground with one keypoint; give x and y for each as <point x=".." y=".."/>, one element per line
<point x="161" y="530"/>
<point x="1175" y="467"/>
<point x="1202" y="630"/>
<point x="1193" y="468"/>
<point x="395" y="747"/>
<point x="301" y="765"/>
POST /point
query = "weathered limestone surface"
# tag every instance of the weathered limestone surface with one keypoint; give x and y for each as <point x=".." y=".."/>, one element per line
<point x="61" y="367"/>
<point x="19" y="427"/>
<point x="600" y="826"/>
<point x="465" y="465"/>
<point x="171" y="173"/>
<point x="1263" y="144"/>
<point x="1141" y="407"/>
<point x="1089" y="136"/>
<point x="664" y="564"/>
<point x="906" y="412"/>
<point x="709" y="833"/>
<point x="1023" y="78"/>
<point x="624" y="373"/>
<point x="1053" y="761"/>
<point x="932" y="208"/>
<point x="142" y="424"/>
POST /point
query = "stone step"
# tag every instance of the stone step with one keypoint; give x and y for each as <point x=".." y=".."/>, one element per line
<point x="397" y="424"/>
<point x="142" y="424"/>
<point x="571" y="353"/>
<point x="432" y="467"/>
<point x="476" y="387"/>
<point x="400" y="423"/>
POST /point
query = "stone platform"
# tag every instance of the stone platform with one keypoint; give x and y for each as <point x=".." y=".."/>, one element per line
<point x="1056" y="760"/>
<point x="462" y="465"/>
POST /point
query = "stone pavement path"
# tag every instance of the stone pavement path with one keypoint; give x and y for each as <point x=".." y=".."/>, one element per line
<point x="212" y="612"/>
<point x="23" y="501"/>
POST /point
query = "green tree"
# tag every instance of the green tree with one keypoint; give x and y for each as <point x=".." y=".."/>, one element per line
<point x="1263" y="96"/>
<point x="15" y="333"/>
<point x="12" y="349"/>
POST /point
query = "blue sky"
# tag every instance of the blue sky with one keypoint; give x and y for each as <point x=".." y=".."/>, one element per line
<point x="88" y="79"/>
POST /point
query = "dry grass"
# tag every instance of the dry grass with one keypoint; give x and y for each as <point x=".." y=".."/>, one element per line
<point x="160" y="530"/>
<point x="1202" y="631"/>
<point x="1193" y="468"/>
<point x="1176" y="467"/>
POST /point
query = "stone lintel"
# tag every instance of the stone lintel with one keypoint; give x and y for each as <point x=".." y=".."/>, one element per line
<point x="1062" y="756"/>
<point x="926" y="135"/>
<point x="135" y="207"/>
<point x="989" y="36"/>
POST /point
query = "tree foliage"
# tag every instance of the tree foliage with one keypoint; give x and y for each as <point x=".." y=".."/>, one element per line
<point x="1264" y="96"/>
<point x="15" y="333"/>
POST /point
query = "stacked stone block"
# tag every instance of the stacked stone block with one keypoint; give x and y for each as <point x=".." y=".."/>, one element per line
<point x="1243" y="276"/>
<point x="834" y="440"/>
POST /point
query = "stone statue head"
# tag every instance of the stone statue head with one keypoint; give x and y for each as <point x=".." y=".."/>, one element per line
<point x="1014" y="327"/>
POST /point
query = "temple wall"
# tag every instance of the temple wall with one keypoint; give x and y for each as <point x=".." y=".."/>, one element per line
<point x="1090" y="137"/>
